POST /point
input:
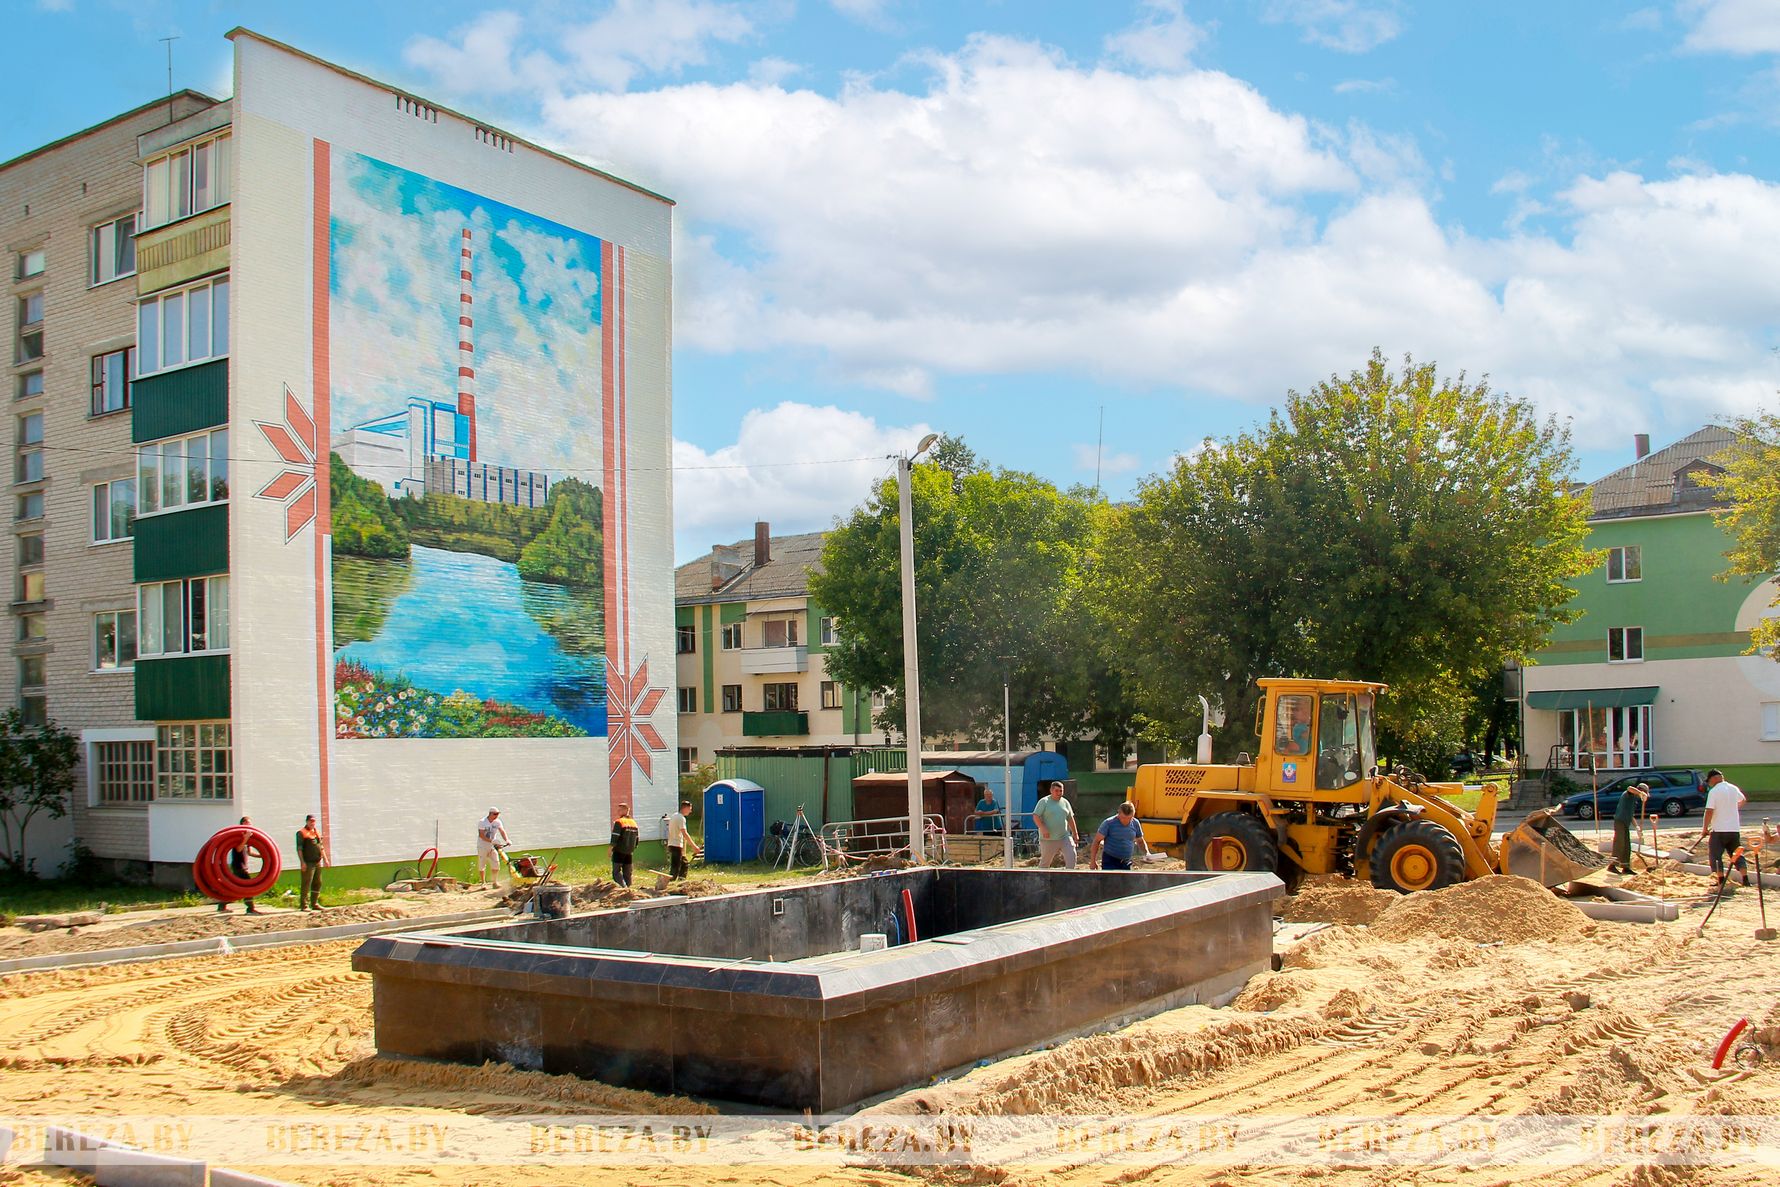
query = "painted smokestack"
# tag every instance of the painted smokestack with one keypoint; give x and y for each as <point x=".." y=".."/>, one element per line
<point x="1640" y="445"/>
<point x="466" y="342"/>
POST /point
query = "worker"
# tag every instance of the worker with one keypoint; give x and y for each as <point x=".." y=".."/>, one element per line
<point x="238" y="867"/>
<point x="679" y="840"/>
<point x="1057" y="835"/>
<point x="1724" y="824"/>
<point x="312" y="855"/>
<point x="1119" y="838"/>
<point x="491" y="838"/>
<point x="624" y="844"/>
<point x="988" y="819"/>
<point x="1630" y="808"/>
<point x="1294" y="732"/>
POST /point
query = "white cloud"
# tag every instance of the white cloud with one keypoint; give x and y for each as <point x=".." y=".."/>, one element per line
<point x="1366" y="86"/>
<point x="1089" y="458"/>
<point x="1731" y="26"/>
<point x="1643" y="20"/>
<point x="56" y="5"/>
<point x="1347" y="26"/>
<point x="796" y="466"/>
<point x="1164" y="39"/>
<point x="481" y="58"/>
<point x="772" y="72"/>
<point x="867" y="12"/>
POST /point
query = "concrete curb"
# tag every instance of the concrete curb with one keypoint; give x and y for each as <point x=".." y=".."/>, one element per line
<point x="114" y="1165"/>
<point x="264" y="939"/>
<point x="227" y="1178"/>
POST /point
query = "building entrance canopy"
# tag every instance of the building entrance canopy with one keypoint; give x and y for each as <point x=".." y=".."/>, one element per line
<point x="1598" y="698"/>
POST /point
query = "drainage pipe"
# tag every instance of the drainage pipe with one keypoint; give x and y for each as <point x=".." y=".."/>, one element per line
<point x="1631" y="912"/>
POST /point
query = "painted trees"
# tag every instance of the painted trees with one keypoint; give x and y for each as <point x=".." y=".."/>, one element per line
<point x="1751" y="485"/>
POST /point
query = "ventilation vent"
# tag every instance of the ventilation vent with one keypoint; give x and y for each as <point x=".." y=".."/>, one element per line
<point x="493" y="138"/>
<point x="415" y="108"/>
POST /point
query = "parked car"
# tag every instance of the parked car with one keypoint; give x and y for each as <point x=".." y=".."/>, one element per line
<point x="1674" y="791"/>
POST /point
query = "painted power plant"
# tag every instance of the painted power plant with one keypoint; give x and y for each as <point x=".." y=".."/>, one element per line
<point x="467" y="576"/>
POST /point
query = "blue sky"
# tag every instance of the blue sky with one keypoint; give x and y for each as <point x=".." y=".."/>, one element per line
<point x="1004" y="220"/>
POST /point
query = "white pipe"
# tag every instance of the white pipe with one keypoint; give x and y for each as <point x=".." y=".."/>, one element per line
<point x="1631" y="912"/>
<point x="1204" y="755"/>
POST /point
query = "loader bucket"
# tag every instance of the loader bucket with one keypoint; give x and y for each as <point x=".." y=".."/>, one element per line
<point x="1547" y="852"/>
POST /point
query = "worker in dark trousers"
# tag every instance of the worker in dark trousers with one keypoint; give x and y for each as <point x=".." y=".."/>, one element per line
<point x="679" y="840"/>
<point x="1631" y="807"/>
<point x="238" y="867"/>
<point x="624" y="845"/>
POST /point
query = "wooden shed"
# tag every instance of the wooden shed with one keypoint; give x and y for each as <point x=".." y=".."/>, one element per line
<point x="951" y="794"/>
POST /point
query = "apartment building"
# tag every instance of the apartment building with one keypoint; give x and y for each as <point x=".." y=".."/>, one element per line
<point x="1654" y="673"/>
<point x="751" y="649"/>
<point x="364" y="509"/>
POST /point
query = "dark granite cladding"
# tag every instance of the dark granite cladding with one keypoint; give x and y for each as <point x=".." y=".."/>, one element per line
<point x="761" y="997"/>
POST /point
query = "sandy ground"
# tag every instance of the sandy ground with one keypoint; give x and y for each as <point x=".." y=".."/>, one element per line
<point x="1491" y="999"/>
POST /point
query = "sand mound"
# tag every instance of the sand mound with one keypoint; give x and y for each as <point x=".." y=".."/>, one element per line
<point x="1500" y="907"/>
<point x="196" y="925"/>
<point x="697" y="888"/>
<point x="1668" y="883"/>
<point x="498" y="1087"/>
<point x="602" y="892"/>
<point x="1344" y="901"/>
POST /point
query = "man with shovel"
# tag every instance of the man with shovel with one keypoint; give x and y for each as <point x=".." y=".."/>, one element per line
<point x="1724" y="824"/>
<point x="1631" y="807"/>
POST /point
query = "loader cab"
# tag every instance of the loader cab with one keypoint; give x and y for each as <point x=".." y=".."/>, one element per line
<point x="1317" y="736"/>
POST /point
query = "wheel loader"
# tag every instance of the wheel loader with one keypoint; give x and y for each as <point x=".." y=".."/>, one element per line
<point x="1312" y="801"/>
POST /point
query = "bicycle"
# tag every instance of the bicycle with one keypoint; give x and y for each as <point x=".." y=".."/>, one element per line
<point x="794" y="844"/>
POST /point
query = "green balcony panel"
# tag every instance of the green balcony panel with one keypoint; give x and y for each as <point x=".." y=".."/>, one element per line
<point x="183" y="688"/>
<point x="175" y="544"/>
<point x="181" y="401"/>
<point x="775" y="723"/>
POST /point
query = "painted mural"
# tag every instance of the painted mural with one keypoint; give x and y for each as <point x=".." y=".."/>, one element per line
<point x="467" y="522"/>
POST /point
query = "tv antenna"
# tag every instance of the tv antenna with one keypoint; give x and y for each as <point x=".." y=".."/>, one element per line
<point x="168" y="42"/>
<point x="1099" y="444"/>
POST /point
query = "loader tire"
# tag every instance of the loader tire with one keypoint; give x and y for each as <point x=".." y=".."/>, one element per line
<point x="1420" y="855"/>
<point x="1232" y="841"/>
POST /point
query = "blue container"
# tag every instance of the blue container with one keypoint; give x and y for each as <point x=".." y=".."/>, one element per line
<point x="735" y="820"/>
<point x="1027" y="770"/>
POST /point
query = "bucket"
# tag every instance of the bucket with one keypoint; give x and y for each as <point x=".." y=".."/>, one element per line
<point x="553" y="902"/>
<point x="873" y="941"/>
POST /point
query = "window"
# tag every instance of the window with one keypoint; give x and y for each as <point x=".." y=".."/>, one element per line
<point x="124" y="772"/>
<point x="688" y="759"/>
<point x="831" y="632"/>
<point x="732" y="637"/>
<point x="31" y="671"/>
<point x="30" y="385"/>
<point x="1607" y="739"/>
<point x="685" y="640"/>
<point x="30" y="506"/>
<point x="183" y="326"/>
<point x="114" y="640"/>
<point x="1770" y="721"/>
<point x="30" y="460"/>
<point x="1291" y="732"/>
<point x="193" y="762"/>
<point x="33" y="628"/>
<point x="30" y="343"/>
<point x="780" y="632"/>
<point x="111" y="381"/>
<point x="114" y="249"/>
<point x="1625" y="564"/>
<point x="688" y="699"/>
<point x="114" y="510"/>
<point x="183" y="472"/>
<point x="30" y="465"/>
<point x="831" y="694"/>
<point x="188" y="181"/>
<point x="732" y="698"/>
<point x="31" y="263"/>
<point x="781" y="697"/>
<point x="182" y="617"/>
<point x="878" y="702"/>
<point x="34" y="709"/>
<point x="1625" y="644"/>
<point x="31" y="549"/>
<point x="30" y="587"/>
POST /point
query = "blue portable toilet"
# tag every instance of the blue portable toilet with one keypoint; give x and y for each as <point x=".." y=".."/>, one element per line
<point x="735" y="820"/>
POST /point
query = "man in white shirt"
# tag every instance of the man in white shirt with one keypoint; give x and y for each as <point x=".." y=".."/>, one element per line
<point x="1724" y="824"/>
<point x="679" y="840"/>
<point x="491" y="838"/>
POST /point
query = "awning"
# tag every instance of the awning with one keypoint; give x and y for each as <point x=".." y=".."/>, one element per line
<point x="1600" y="698"/>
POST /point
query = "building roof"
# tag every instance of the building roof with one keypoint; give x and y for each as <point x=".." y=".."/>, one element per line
<point x="785" y="574"/>
<point x="163" y="101"/>
<point x="1656" y="483"/>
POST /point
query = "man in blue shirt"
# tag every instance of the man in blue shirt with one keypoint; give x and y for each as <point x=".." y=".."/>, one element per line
<point x="988" y="818"/>
<point x="1119" y="837"/>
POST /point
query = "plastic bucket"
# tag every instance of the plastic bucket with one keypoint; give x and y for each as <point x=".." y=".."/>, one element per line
<point x="553" y="901"/>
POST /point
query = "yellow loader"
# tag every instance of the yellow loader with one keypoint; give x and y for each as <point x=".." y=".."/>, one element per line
<point x="1312" y="801"/>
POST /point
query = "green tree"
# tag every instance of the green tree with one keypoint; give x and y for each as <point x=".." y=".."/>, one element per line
<point x="1750" y="486"/>
<point x="1393" y="526"/>
<point x="568" y="552"/>
<point x="995" y="559"/>
<point x="36" y="779"/>
<point x="364" y="522"/>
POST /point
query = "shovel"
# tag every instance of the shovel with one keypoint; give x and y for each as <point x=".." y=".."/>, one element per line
<point x="1688" y="854"/>
<point x="1764" y="932"/>
<point x="1718" y="896"/>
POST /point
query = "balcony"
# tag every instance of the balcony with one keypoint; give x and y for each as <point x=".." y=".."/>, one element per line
<point x="184" y="250"/>
<point x="774" y="661"/>
<point x="776" y="723"/>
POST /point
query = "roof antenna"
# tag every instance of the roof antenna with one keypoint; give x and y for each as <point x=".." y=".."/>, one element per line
<point x="168" y="42"/>
<point x="1099" y="441"/>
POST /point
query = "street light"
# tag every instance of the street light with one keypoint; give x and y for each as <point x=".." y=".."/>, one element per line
<point x="911" y="652"/>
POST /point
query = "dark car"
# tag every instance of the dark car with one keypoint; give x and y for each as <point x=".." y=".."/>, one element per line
<point x="1674" y="791"/>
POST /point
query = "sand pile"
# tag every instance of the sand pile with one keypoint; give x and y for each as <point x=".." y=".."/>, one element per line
<point x="1500" y="907"/>
<point x="498" y="1088"/>
<point x="1337" y="901"/>
<point x="196" y="925"/>
<point x="603" y="892"/>
<point x="1671" y="882"/>
<point x="697" y="888"/>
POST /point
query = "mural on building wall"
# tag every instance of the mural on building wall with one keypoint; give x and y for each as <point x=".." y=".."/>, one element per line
<point x="466" y="449"/>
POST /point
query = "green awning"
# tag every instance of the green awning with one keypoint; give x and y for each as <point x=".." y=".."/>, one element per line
<point x="1600" y="698"/>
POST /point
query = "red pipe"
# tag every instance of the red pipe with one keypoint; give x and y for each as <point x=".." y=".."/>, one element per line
<point x="432" y="870"/>
<point x="1724" y="1044"/>
<point x="211" y="872"/>
<point x="908" y="907"/>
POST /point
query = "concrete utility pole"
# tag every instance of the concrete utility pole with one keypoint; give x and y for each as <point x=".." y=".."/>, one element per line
<point x="911" y="652"/>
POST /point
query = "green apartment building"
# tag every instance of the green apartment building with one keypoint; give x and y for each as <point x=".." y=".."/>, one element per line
<point x="1653" y="672"/>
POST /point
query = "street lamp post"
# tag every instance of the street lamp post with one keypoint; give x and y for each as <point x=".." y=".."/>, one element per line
<point x="911" y="652"/>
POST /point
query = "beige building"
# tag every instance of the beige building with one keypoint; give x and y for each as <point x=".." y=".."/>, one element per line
<point x="752" y="664"/>
<point x="69" y="214"/>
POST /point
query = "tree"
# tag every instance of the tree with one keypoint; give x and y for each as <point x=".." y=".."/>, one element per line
<point x="1389" y="526"/>
<point x="36" y="778"/>
<point x="569" y="550"/>
<point x="1750" y="485"/>
<point x="995" y="557"/>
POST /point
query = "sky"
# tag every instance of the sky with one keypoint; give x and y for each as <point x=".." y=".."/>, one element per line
<point x="1086" y="237"/>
